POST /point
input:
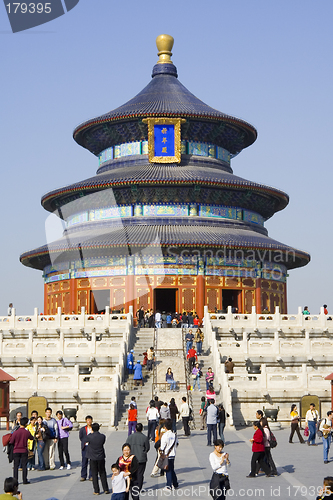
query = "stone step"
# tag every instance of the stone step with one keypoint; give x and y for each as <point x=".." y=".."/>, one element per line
<point x="143" y="339"/>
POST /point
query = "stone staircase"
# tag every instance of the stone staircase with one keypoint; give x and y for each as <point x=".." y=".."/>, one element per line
<point x="205" y="360"/>
<point x="143" y="339"/>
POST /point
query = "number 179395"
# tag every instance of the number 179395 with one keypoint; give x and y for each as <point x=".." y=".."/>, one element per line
<point x="28" y="8"/>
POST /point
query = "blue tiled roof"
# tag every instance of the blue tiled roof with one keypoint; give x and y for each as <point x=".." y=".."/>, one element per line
<point x="140" y="172"/>
<point x="163" y="96"/>
<point x="130" y="237"/>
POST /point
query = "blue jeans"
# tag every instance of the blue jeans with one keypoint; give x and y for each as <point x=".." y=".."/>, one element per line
<point x="312" y="432"/>
<point x="31" y="461"/>
<point x="221" y="430"/>
<point x="151" y="429"/>
<point x="208" y="384"/>
<point x="118" y="496"/>
<point x="40" y="449"/>
<point x="197" y="379"/>
<point x="211" y="428"/>
<point x="84" y="466"/>
<point x="173" y="385"/>
<point x="326" y="446"/>
<point x="170" y="473"/>
<point x="199" y="347"/>
<point x="189" y="344"/>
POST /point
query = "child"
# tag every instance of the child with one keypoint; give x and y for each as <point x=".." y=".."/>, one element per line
<point x="132" y="413"/>
<point x="120" y="483"/>
<point x="327" y="490"/>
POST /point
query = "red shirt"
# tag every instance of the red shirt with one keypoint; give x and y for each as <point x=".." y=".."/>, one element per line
<point x="132" y="415"/>
<point x="192" y="353"/>
<point x="258" y="443"/>
<point x="196" y="321"/>
<point x="125" y="463"/>
<point x="20" y="440"/>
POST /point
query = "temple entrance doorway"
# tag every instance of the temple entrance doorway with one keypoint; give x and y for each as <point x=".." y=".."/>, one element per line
<point x="165" y="299"/>
<point x="231" y="298"/>
<point x="99" y="299"/>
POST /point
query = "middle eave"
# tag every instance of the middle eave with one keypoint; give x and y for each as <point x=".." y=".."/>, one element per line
<point x="139" y="172"/>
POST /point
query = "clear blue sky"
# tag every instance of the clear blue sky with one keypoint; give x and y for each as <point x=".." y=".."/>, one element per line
<point x="269" y="63"/>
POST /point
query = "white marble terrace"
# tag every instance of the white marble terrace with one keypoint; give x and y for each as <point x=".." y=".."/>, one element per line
<point x="72" y="360"/>
<point x="293" y="354"/>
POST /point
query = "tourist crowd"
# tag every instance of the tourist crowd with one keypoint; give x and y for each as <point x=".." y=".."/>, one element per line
<point x="164" y="319"/>
<point x="43" y="434"/>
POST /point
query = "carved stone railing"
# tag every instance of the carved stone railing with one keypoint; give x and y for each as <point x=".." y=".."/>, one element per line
<point x="276" y="320"/>
<point x="218" y="367"/>
<point x="37" y="321"/>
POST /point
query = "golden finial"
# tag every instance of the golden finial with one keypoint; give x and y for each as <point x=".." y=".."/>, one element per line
<point x="164" y="45"/>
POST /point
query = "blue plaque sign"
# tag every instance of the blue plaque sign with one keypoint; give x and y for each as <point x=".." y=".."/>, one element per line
<point x="164" y="138"/>
<point x="164" y="142"/>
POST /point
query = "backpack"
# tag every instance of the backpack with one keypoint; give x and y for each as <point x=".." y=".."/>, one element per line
<point x="272" y="440"/>
<point x="319" y="432"/>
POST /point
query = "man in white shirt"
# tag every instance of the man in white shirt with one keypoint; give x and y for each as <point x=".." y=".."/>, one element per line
<point x="184" y="414"/>
<point x="169" y="443"/>
<point x="326" y="428"/>
<point x="158" y="319"/>
<point x="312" y="417"/>
<point x="152" y="417"/>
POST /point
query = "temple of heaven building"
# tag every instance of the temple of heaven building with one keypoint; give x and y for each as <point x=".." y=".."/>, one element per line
<point x="165" y="223"/>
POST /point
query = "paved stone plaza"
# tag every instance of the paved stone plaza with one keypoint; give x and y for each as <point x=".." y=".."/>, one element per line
<point x="301" y="470"/>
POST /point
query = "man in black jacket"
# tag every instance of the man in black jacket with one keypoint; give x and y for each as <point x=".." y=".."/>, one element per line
<point x="139" y="447"/>
<point x="96" y="453"/>
<point x="84" y="431"/>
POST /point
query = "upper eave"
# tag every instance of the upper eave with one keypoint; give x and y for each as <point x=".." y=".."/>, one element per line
<point x="163" y="96"/>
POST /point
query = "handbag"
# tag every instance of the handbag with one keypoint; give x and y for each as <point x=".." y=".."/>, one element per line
<point x="162" y="462"/>
<point x="272" y="440"/>
<point x="6" y="439"/>
<point x="194" y="376"/>
<point x="306" y="432"/>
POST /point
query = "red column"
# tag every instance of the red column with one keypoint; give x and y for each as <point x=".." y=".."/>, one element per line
<point x="130" y="286"/>
<point x="45" y="300"/>
<point x="285" y="303"/>
<point x="200" y="295"/>
<point x="73" y="297"/>
<point x="240" y="302"/>
<point x="129" y="293"/>
<point x="200" y="302"/>
<point x="258" y="296"/>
